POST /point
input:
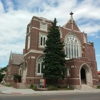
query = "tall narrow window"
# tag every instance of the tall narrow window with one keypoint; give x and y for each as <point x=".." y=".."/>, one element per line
<point x="40" y="65"/>
<point x="28" y="46"/>
<point x="72" y="46"/>
<point x="42" y="40"/>
<point x="68" y="72"/>
<point x="38" y="71"/>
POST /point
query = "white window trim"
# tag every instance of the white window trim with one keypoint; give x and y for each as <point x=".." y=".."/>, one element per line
<point x="68" y="72"/>
<point x="20" y="70"/>
<point x="74" y="46"/>
<point x="41" y="23"/>
<point x="43" y="36"/>
<point x="28" y="43"/>
<point x="39" y="62"/>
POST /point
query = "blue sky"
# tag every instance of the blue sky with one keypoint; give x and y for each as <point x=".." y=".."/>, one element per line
<point x="16" y="14"/>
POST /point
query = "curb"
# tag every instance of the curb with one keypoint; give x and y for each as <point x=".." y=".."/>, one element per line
<point x="16" y="93"/>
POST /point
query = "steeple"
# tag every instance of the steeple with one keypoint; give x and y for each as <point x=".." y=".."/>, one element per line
<point x="71" y="15"/>
<point x="71" y="20"/>
<point x="71" y="24"/>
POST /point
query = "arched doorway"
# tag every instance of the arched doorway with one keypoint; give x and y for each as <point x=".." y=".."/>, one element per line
<point x="83" y="76"/>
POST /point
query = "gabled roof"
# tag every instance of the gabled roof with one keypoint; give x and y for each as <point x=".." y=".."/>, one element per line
<point x="71" y="24"/>
<point x="17" y="59"/>
<point x="98" y="72"/>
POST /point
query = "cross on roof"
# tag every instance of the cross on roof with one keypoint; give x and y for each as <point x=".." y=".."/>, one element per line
<point x="71" y="14"/>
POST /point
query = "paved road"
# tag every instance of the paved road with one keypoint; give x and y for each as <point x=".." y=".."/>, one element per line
<point x="75" y="96"/>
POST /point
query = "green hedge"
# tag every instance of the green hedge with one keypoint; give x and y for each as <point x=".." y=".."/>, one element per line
<point x="98" y="87"/>
<point x="52" y="88"/>
<point x="34" y="87"/>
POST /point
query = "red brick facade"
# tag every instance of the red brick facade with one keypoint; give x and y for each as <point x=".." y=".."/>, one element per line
<point x="85" y="60"/>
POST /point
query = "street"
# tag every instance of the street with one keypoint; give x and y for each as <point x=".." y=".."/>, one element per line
<point x="74" y="96"/>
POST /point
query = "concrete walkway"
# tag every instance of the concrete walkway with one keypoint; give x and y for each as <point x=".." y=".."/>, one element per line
<point x="11" y="90"/>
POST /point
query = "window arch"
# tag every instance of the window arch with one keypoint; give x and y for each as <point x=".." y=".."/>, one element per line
<point x="25" y="67"/>
<point x="20" y="71"/>
<point x="42" y="39"/>
<point x="72" y="46"/>
<point x="68" y="72"/>
<point x="28" y="44"/>
<point x="39" y="65"/>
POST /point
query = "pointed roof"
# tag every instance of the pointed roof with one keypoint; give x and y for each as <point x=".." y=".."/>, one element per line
<point x="98" y="72"/>
<point x="17" y="59"/>
<point x="71" y="24"/>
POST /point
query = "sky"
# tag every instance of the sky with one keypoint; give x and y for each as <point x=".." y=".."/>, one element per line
<point x="16" y="14"/>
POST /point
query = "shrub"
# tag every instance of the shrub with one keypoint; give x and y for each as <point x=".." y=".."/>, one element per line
<point x="52" y="88"/>
<point x="65" y="86"/>
<point x="34" y="87"/>
<point x="98" y="87"/>
<point x="31" y="86"/>
<point x="58" y="86"/>
<point x="17" y="78"/>
<point x="9" y="85"/>
<point x="1" y="77"/>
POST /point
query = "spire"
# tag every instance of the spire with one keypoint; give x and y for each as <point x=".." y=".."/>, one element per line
<point x="11" y="55"/>
<point x="71" y="19"/>
<point x="71" y="24"/>
<point x="71" y="14"/>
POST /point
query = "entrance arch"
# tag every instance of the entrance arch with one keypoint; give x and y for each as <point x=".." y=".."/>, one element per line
<point x="85" y="75"/>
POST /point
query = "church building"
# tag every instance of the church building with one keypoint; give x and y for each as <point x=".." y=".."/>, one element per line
<point x="80" y="60"/>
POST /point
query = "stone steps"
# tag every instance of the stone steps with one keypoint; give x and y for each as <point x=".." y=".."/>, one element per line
<point x="87" y="87"/>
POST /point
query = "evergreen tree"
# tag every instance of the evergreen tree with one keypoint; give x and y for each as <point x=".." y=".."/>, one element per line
<point x="54" y="57"/>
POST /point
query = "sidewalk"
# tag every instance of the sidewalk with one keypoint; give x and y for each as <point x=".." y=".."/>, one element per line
<point x="11" y="90"/>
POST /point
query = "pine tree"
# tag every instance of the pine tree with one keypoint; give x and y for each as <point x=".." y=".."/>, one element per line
<point x="54" y="57"/>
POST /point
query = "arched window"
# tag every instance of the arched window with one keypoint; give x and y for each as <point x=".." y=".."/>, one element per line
<point x="25" y="68"/>
<point x="72" y="47"/>
<point x="28" y="45"/>
<point x="68" y="72"/>
<point x="20" y="71"/>
<point x="40" y="65"/>
<point x="42" y="39"/>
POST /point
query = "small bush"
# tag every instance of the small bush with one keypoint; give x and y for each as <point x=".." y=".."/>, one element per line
<point x="31" y="86"/>
<point x="17" y="78"/>
<point x="98" y="87"/>
<point x="9" y="85"/>
<point x="52" y="88"/>
<point x="65" y="86"/>
<point x="34" y="87"/>
<point x="58" y="86"/>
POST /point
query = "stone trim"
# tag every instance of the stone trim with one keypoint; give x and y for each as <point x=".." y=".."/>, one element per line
<point x="33" y="51"/>
<point x="71" y="30"/>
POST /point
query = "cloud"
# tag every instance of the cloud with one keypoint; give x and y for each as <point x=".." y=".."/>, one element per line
<point x="1" y="8"/>
<point x="16" y="14"/>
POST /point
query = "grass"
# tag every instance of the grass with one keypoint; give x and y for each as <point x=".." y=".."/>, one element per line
<point x="8" y="85"/>
<point x="60" y="88"/>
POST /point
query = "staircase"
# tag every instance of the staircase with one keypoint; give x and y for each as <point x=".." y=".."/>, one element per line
<point x="87" y="87"/>
<point x="22" y="86"/>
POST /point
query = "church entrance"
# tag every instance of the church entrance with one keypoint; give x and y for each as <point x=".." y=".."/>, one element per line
<point x="83" y="76"/>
